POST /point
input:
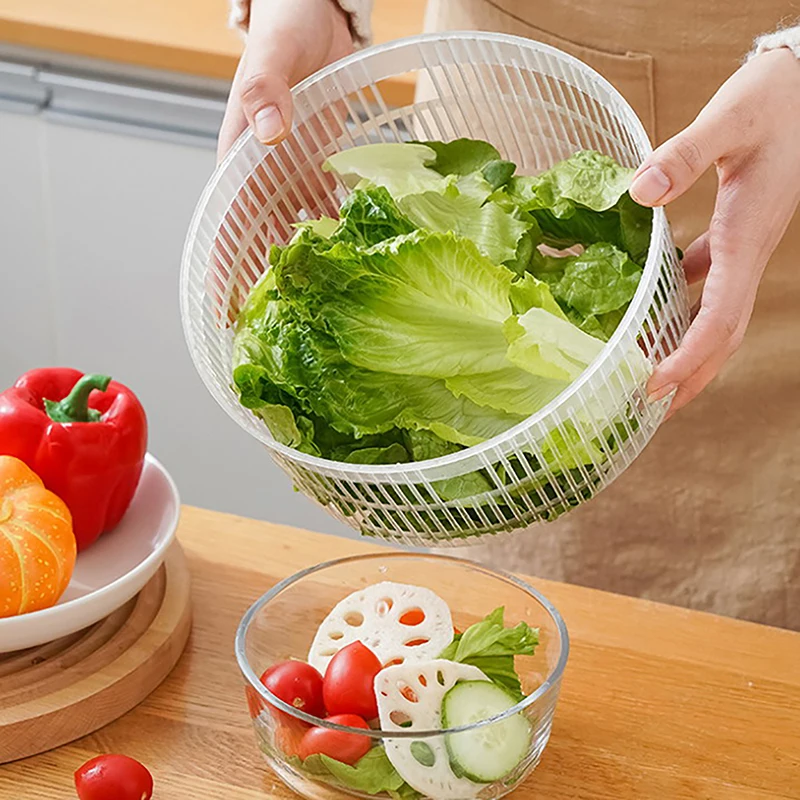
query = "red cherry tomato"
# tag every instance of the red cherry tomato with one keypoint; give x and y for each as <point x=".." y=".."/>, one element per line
<point x="113" y="777"/>
<point x="297" y="684"/>
<point x="349" y="687"/>
<point x="345" y="747"/>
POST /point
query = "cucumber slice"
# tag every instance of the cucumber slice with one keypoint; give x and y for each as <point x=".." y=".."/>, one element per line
<point x="489" y="753"/>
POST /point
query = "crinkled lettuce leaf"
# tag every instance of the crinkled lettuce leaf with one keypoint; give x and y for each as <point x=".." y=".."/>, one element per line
<point x="402" y="168"/>
<point x="593" y="288"/>
<point x="494" y="230"/>
<point x="584" y="200"/>
<point x="491" y="646"/>
<point x="587" y="178"/>
<point x="424" y="304"/>
<point x="599" y="280"/>
<point x="549" y="346"/>
<point x="369" y="216"/>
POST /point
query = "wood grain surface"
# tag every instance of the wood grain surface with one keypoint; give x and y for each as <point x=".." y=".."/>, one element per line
<point x="189" y="36"/>
<point x="61" y="691"/>
<point x="658" y="703"/>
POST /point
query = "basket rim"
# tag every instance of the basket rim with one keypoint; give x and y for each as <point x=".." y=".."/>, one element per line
<point x="349" y="471"/>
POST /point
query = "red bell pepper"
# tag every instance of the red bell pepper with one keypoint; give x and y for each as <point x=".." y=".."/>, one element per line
<point x="85" y="436"/>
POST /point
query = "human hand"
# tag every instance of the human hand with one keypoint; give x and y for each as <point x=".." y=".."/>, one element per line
<point x="749" y="131"/>
<point x="287" y="41"/>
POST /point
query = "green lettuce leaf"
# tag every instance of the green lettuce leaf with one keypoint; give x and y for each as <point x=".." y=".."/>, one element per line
<point x="587" y="178"/>
<point x="584" y="200"/>
<point x="519" y="388"/>
<point x="399" y="167"/>
<point x="498" y="173"/>
<point x="461" y="156"/>
<point x="546" y="345"/>
<point x="324" y="227"/>
<point x="526" y="247"/>
<point x="636" y="225"/>
<point x="494" y="230"/>
<point x="423" y="304"/>
<point x="491" y="647"/>
<point x="394" y="453"/>
<point x="284" y="419"/>
<point x="424" y="445"/>
<point x="600" y="280"/>
<point x="369" y="216"/>
<point x="577" y="226"/>
<point x="510" y="389"/>
<point x="531" y="292"/>
<point x="281" y="359"/>
<point x="373" y="773"/>
<point x="360" y="402"/>
<point x="601" y="326"/>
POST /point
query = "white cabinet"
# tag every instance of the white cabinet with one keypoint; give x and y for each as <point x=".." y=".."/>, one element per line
<point x="27" y="332"/>
<point x="93" y="214"/>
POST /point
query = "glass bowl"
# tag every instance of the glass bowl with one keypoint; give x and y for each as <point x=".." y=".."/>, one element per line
<point x="282" y="623"/>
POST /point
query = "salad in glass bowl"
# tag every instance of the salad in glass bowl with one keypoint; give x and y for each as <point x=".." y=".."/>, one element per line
<point x="402" y="676"/>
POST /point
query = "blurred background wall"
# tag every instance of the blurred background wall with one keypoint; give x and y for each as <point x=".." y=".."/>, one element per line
<point x="108" y="121"/>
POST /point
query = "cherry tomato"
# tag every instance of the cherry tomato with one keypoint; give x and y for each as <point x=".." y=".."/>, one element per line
<point x="349" y="685"/>
<point x="113" y="777"/>
<point x="345" y="747"/>
<point x="297" y="684"/>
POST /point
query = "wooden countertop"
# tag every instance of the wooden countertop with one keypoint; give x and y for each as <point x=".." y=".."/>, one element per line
<point x="187" y="36"/>
<point x="658" y="703"/>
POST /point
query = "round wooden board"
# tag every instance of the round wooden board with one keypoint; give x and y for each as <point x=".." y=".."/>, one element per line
<point x="56" y="693"/>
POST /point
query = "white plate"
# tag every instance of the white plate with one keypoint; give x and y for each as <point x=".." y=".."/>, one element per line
<point x="111" y="571"/>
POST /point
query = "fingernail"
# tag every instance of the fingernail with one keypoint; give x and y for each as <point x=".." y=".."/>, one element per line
<point x="268" y="124"/>
<point x="650" y="186"/>
<point x="660" y="393"/>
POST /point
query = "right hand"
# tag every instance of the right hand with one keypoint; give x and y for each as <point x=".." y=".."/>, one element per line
<point x="287" y="42"/>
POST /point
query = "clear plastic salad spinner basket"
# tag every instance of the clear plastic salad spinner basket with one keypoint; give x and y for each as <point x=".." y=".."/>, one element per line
<point x="537" y="106"/>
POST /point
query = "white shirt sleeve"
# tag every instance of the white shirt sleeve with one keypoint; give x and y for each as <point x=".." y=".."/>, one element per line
<point x="785" y="37"/>
<point x="359" y="12"/>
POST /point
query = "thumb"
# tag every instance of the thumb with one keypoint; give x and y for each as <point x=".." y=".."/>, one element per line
<point x="265" y="94"/>
<point x="675" y="166"/>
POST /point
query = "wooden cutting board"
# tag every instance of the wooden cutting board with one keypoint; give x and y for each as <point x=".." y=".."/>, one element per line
<point x="56" y="693"/>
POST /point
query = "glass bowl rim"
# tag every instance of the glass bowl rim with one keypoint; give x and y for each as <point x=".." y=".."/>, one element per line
<point x="552" y="679"/>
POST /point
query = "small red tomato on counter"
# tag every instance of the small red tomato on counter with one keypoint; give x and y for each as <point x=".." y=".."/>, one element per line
<point x="345" y="747"/>
<point x="113" y="777"/>
<point x="86" y="438"/>
<point x="297" y="684"/>
<point x="349" y="684"/>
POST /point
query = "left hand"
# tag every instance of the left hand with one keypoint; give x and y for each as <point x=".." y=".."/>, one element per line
<point x="749" y="131"/>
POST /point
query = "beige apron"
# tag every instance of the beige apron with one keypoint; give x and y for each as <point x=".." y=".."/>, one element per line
<point x="709" y="515"/>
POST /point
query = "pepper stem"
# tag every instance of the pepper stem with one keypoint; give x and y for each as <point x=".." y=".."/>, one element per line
<point x="75" y="406"/>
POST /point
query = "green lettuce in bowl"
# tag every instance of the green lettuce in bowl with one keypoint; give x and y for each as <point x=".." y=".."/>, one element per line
<point x="449" y="301"/>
